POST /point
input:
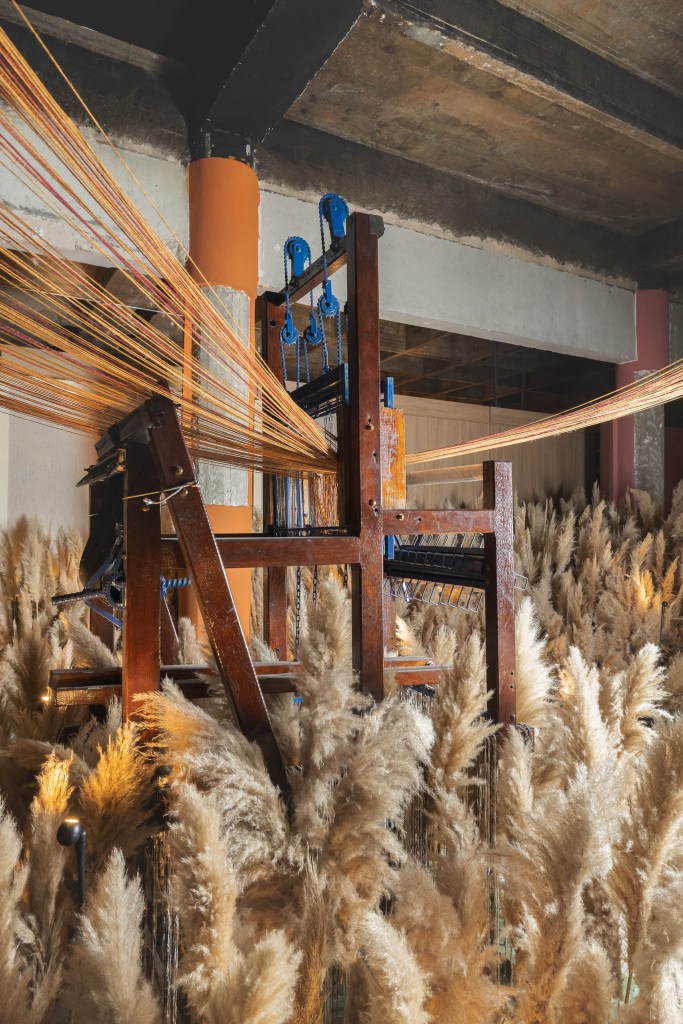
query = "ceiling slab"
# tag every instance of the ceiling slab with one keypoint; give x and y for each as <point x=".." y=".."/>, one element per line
<point x="646" y="37"/>
<point x="492" y="36"/>
<point x="386" y="89"/>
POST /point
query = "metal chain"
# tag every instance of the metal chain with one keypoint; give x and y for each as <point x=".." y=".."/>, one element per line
<point x="314" y="593"/>
<point x="345" y="581"/>
<point x="297" y="612"/>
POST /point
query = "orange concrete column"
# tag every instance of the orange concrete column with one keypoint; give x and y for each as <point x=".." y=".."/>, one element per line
<point x="224" y="234"/>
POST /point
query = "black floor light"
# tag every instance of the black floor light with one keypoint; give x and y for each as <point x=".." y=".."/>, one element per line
<point x="72" y="833"/>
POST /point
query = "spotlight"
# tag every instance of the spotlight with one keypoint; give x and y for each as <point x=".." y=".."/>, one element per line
<point x="72" y="833"/>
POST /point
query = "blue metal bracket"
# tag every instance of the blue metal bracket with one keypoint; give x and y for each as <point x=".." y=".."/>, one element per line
<point x="387" y="392"/>
<point x="289" y="334"/>
<point x="298" y="252"/>
<point x="328" y="303"/>
<point x="335" y="211"/>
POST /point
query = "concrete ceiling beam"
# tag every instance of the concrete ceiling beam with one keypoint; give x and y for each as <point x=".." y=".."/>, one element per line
<point x="307" y="162"/>
<point x="660" y="256"/>
<point x="284" y="53"/>
<point x="527" y="53"/>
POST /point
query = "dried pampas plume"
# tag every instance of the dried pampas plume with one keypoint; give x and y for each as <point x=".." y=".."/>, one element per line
<point x="114" y="800"/>
<point x="393" y="984"/>
<point x="460" y="727"/>
<point x="15" y="979"/>
<point x="224" y="982"/>
<point x="105" y="982"/>
<point x="534" y="680"/>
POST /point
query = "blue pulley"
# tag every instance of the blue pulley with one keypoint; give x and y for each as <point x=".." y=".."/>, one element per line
<point x="313" y="334"/>
<point x="328" y="304"/>
<point x="289" y="334"/>
<point x="298" y="251"/>
<point x="335" y="211"/>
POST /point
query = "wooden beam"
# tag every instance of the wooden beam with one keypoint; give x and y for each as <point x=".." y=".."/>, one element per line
<point x="363" y="472"/>
<point x="243" y="551"/>
<point x="142" y="570"/>
<point x="529" y="53"/>
<point x="407" y="521"/>
<point x="174" y="467"/>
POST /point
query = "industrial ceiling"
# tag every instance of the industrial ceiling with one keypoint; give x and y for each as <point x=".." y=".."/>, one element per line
<point x="547" y="127"/>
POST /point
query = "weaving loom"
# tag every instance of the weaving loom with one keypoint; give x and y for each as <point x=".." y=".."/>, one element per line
<point x="146" y="453"/>
<point x="158" y="405"/>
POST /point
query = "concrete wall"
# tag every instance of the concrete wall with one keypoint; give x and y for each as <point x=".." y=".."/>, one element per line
<point x="434" y="282"/>
<point x="675" y="331"/>
<point x="158" y="188"/>
<point x="40" y="466"/>
<point x="555" y="465"/>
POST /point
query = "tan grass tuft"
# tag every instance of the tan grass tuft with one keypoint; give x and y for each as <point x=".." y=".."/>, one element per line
<point x="114" y="799"/>
<point x="222" y="981"/>
<point x="395" y="986"/>
<point x="105" y="982"/>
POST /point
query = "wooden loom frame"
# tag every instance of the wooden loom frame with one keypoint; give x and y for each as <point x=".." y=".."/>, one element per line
<point x="156" y="459"/>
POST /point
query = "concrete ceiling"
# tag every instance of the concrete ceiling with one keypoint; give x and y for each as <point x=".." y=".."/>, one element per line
<point x="646" y="37"/>
<point x="407" y="90"/>
<point x="554" y="127"/>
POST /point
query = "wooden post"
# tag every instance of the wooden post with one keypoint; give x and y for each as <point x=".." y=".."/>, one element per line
<point x="142" y="597"/>
<point x="499" y="567"/>
<point x="212" y="591"/>
<point x="363" y="466"/>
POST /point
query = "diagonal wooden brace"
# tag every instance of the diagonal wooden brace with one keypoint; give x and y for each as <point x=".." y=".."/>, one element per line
<point x="174" y="469"/>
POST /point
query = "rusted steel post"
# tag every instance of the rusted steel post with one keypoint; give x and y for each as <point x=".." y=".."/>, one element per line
<point x="204" y="566"/>
<point x="363" y="476"/>
<point x="275" y="579"/>
<point x="499" y="567"/>
<point x="142" y="566"/>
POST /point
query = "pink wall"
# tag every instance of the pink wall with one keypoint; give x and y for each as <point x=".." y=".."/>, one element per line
<point x="617" y="450"/>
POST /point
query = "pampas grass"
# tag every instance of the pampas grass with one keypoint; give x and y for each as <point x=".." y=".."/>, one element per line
<point x="114" y="800"/>
<point x="443" y="908"/>
<point x="105" y="983"/>
<point x="549" y="856"/>
<point x="458" y="716"/>
<point x="48" y="901"/>
<point x="15" y="979"/>
<point x="585" y="876"/>
<point x="601" y="578"/>
<point x="218" y="758"/>
<point x="229" y="975"/>
<point x="394" y="986"/>
<point x="659" y="964"/>
<point x="534" y="679"/>
<point x="316" y="874"/>
<point x="587" y="995"/>
<point x="32" y="936"/>
<point x="650" y="836"/>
